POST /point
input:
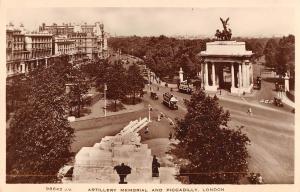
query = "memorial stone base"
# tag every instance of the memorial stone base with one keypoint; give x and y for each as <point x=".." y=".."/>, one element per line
<point x="96" y="164"/>
<point x="211" y="88"/>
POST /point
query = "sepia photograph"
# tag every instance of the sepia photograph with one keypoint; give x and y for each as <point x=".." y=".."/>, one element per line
<point x="150" y="95"/>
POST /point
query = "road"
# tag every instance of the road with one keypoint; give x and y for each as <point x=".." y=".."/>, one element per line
<point x="271" y="131"/>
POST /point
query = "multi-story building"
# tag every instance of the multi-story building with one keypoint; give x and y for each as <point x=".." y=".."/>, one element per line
<point x="90" y="40"/>
<point x="16" y="52"/>
<point x="39" y="45"/>
<point x="63" y="45"/>
<point x="25" y="51"/>
<point x="55" y="29"/>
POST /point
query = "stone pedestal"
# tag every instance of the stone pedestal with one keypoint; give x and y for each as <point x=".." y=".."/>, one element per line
<point x="96" y="164"/>
<point x="286" y="83"/>
<point x="181" y="75"/>
<point x="211" y="88"/>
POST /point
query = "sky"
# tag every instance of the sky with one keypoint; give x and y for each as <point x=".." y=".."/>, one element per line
<point x="244" y="22"/>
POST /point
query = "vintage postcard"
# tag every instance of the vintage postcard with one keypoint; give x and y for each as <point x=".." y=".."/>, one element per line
<point x="131" y="96"/>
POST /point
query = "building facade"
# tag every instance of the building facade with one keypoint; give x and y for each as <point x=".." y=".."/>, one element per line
<point x="54" y="29"/>
<point x="63" y="45"/>
<point x="16" y="52"/>
<point x="90" y="40"/>
<point x="26" y="50"/>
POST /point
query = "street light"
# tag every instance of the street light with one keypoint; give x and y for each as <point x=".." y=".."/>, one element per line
<point x="149" y="80"/>
<point x="105" y="89"/>
<point x="149" y="109"/>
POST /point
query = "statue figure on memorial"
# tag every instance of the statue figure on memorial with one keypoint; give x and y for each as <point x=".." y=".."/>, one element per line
<point x="123" y="171"/>
<point x="224" y="23"/>
<point x="218" y="34"/>
<point x="155" y="166"/>
<point x="226" y="34"/>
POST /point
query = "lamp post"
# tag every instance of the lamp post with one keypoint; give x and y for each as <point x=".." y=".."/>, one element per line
<point x="149" y="80"/>
<point x="149" y="109"/>
<point x="105" y="89"/>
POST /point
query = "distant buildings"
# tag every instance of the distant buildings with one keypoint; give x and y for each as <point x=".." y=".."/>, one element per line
<point x="63" y="45"/>
<point x="26" y="50"/>
<point x="90" y="40"/>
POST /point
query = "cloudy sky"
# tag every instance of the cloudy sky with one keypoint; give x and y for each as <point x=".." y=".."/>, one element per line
<point x="250" y="21"/>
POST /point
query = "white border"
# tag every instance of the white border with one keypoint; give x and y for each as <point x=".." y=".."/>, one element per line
<point x="141" y="3"/>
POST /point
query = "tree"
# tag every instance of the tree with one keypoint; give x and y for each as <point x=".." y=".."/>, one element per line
<point x="270" y="53"/>
<point x="135" y="81"/>
<point x="215" y="153"/>
<point x="285" y="56"/>
<point x="258" y="50"/>
<point x="116" y="83"/>
<point x="15" y="93"/>
<point x="40" y="136"/>
<point x="78" y="87"/>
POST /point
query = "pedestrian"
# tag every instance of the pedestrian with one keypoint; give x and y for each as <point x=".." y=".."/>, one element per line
<point x="259" y="179"/>
<point x="220" y="92"/>
<point x="161" y="115"/>
<point x="146" y="130"/>
<point x="157" y="88"/>
<point x="170" y="135"/>
<point x="249" y="111"/>
<point x="155" y="166"/>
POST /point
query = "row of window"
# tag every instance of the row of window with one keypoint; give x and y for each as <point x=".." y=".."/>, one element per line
<point x="66" y="46"/>
<point x="18" y="39"/>
<point x="41" y="46"/>
<point x="41" y="40"/>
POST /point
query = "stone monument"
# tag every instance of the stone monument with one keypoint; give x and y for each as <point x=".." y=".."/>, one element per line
<point x="96" y="164"/>
<point x="286" y="83"/>
<point x="180" y="75"/>
<point x="223" y="56"/>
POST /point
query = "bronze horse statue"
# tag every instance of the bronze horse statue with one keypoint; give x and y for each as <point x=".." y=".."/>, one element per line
<point x="225" y="35"/>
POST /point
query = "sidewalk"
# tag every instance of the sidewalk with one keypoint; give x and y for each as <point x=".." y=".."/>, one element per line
<point x="287" y="101"/>
<point x="168" y="170"/>
<point x="243" y="100"/>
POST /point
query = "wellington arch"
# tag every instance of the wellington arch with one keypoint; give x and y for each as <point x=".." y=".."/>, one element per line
<point x="226" y="58"/>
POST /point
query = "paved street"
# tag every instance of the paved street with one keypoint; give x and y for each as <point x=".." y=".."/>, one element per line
<point x="270" y="129"/>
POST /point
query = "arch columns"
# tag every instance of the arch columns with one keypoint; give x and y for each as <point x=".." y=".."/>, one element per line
<point x="232" y="76"/>
<point x="206" y="75"/>
<point x="240" y="76"/>
<point x="213" y="74"/>
<point x="208" y="87"/>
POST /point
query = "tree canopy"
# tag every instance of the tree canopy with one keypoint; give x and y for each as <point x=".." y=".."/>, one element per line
<point x="216" y="154"/>
<point x="39" y="136"/>
<point x="270" y="53"/>
<point x="78" y="88"/>
<point x="135" y="81"/>
<point x="285" y="56"/>
<point x="280" y="55"/>
<point x="163" y="55"/>
<point x="116" y="82"/>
